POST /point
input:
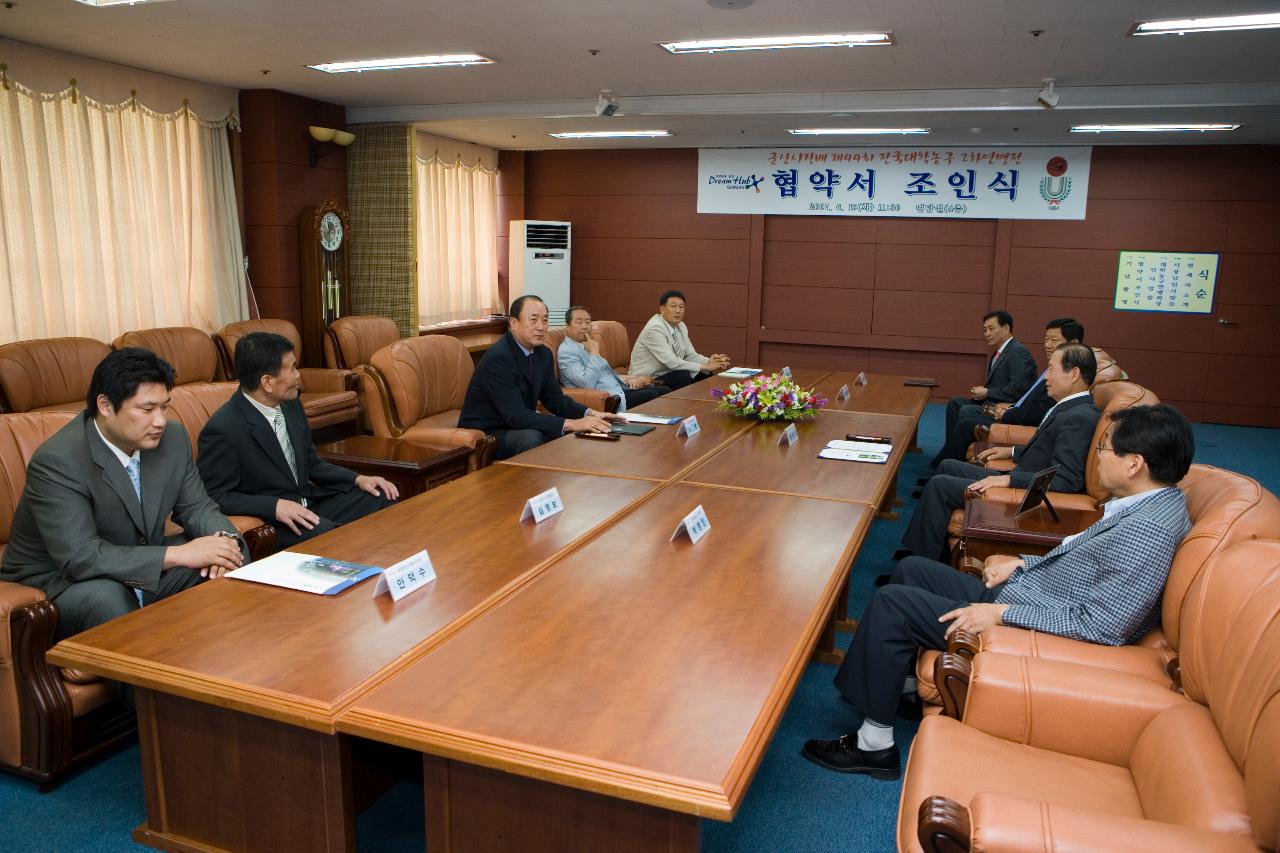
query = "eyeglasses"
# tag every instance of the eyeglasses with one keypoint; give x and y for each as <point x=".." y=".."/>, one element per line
<point x="1101" y="447"/>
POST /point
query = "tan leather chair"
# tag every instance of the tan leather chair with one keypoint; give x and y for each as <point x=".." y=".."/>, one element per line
<point x="615" y="345"/>
<point x="192" y="406"/>
<point x="592" y="398"/>
<point x="351" y="341"/>
<point x="1108" y="370"/>
<point x="1060" y="756"/>
<point x="414" y="389"/>
<point x="190" y="352"/>
<point x="50" y="719"/>
<point x="1225" y="508"/>
<point x="328" y="396"/>
<point x="48" y="374"/>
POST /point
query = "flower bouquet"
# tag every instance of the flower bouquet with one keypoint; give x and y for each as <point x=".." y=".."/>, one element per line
<point x="772" y="397"/>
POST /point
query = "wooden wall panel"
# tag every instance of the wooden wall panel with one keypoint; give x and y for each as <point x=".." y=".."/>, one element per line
<point x="963" y="269"/>
<point x="929" y="281"/>
<point x="817" y="309"/>
<point x="843" y="265"/>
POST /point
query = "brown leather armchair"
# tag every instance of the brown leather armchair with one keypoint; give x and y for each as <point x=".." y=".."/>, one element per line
<point x="50" y="719"/>
<point x="414" y="389"/>
<point x="48" y="374"/>
<point x="1225" y="508"/>
<point x="1055" y="755"/>
<point x="592" y="398"/>
<point x="352" y="340"/>
<point x="192" y="406"/>
<point x="615" y="345"/>
<point x="190" y="352"/>
<point x="328" y="395"/>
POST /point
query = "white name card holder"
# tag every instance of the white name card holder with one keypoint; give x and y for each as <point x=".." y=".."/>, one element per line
<point x="689" y="427"/>
<point x="861" y="380"/>
<point x="543" y="506"/>
<point x="789" y="436"/>
<point x="843" y="393"/>
<point x="695" y="524"/>
<point x="406" y="576"/>
<point x="786" y="371"/>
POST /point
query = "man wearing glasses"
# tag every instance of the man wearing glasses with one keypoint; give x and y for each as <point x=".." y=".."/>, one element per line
<point x="1102" y="585"/>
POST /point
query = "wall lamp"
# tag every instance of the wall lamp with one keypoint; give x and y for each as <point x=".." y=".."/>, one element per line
<point x="320" y="135"/>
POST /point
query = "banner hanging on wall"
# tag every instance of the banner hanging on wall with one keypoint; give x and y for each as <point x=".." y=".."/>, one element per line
<point x="951" y="183"/>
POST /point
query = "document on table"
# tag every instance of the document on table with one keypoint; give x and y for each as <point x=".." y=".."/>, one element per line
<point x="637" y="418"/>
<point x="305" y="572"/>
<point x="741" y="372"/>
<point x="853" y="455"/>
<point x="862" y="446"/>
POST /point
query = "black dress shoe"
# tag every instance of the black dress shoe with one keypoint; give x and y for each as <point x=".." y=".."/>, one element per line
<point x="843" y="756"/>
<point x="902" y="554"/>
<point x="917" y="494"/>
<point x="922" y="481"/>
<point x="883" y="580"/>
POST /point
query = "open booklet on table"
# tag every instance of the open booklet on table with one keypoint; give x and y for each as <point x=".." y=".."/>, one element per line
<point x="305" y="572"/>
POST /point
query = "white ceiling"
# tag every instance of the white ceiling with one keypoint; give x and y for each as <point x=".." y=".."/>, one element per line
<point x="969" y="69"/>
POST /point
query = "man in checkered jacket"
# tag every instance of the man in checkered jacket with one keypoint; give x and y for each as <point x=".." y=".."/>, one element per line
<point x="1102" y="585"/>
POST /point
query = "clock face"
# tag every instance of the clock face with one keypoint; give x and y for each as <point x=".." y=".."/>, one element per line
<point x="330" y="231"/>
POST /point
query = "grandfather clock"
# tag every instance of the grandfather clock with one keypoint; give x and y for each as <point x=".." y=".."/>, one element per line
<point x="323" y="235"/>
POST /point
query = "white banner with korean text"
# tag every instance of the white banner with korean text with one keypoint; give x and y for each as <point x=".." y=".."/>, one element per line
<point x="952" y="183"/>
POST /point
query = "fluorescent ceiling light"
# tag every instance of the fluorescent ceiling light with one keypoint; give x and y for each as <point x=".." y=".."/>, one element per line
<point x="436" y="61"/>
<point x="857" y="131"/>
<point x="1206" y="25"/>
<point x="1150" y="128"/>
<point x="610" y="134"/>
<point x="779" y="42"/>
<point x="118" y="2"/>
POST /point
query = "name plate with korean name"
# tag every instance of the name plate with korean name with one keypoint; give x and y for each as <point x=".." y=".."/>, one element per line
<point x="786" y="371"/>
<point x="843" y="393"/>
<point x="689" y="427"/>
<point x="543" y="506"/>
<point x="861" y="380"/>
<point x="695" y="524"/>
<point x="406" y="576"/>
<point x="789" y="436"/>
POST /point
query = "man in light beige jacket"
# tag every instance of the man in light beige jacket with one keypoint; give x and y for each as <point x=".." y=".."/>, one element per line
<point x="663" y="349"/>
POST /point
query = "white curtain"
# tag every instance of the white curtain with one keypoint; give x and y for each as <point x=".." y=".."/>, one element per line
<point x="456" y="188"/>
<point x="114" y="217"/>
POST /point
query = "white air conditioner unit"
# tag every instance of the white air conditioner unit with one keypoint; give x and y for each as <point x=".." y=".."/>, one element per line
<point x="539" y="264"/>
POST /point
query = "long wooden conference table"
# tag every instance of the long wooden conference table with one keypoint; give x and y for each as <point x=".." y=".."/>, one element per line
<point x="584" y="683"/>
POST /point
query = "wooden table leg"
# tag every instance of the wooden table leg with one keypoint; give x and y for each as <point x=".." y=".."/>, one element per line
<point x="913" y="444"/>
<point x="217" y="779"/>
<point x="474" y="809"/>
<point x="890" y="500"/>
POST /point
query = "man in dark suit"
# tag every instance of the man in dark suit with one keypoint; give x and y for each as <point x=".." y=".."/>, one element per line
<point x="1062" y="438"/>
<point x="257" y="456"/>
<point x="1010" y="371"/>
<point x="1102" y="585"/>
<point x="513" y="377"/>
<point x="1029" y="409"/>
<point x="89" y="528"/>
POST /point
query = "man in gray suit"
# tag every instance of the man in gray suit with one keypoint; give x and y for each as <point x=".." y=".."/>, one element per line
<point x="89" y="528"/>
<point x="1102" y="585"/>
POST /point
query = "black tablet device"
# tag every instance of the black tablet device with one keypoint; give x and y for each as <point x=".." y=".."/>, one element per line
<point x="1037" y="493"/>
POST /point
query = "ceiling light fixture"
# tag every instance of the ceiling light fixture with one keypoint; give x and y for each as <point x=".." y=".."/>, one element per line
<point x="1150" y="128"/>
<point x="857" y="131"/>
<point x="442" y="60"/>
<point x="610" y="134"/>
<point x="778" y="42"/>
<point x="1266" y="21"/>
<point x="101" y="3"/>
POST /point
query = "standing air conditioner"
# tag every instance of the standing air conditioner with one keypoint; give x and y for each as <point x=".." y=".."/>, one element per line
<point x="539" y="264"/>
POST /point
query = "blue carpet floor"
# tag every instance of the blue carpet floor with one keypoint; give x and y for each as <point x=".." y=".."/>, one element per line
<point x="792" y="805"/>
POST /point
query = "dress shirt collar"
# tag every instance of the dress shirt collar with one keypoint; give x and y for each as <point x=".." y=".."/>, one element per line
<point x="1000" y="348"/>
<point x="1060" y="402"/>
<point x="267" y="412"/>
<point x="527" y="352"/>
<point x="124" y="458"/>
<point x="1113" y="506"/>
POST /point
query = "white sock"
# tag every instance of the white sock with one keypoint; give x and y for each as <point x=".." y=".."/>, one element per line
<point x="910" y="685"/>
<point x="873" y="736"/>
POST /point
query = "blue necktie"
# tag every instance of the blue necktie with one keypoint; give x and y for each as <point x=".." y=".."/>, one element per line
<point x="135" y="477"/>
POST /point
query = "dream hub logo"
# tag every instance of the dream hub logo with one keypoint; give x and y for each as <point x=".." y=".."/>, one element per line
<point x="736" y="182"/>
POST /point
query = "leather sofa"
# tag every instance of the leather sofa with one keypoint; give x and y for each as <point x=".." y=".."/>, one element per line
<point x="48" y="374"/>
<point x="351" y="341"/>
<point x="50" y="719"/>
<point x="414" y="388"/>
<point x="328" y="395"/>
<point x="592" y="398"/>
<point x="190" y="352"/>
<point x="1225" y="508"/>
<point x="1061" y="756"/>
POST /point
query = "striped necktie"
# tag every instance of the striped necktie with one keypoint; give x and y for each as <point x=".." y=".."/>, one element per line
<point x="282" y="435"/>
<point x="133" y="469"/>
